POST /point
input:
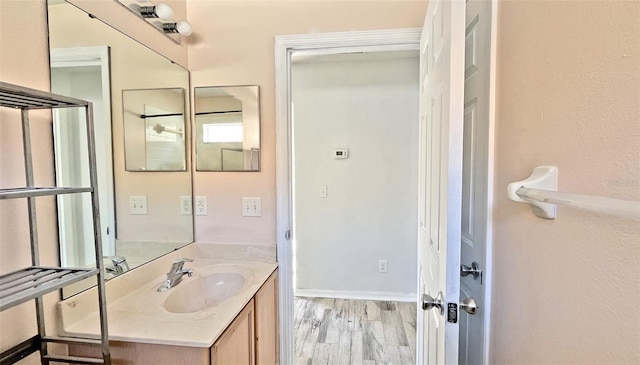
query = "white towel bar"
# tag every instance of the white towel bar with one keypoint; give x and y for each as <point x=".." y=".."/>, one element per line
<point x="539" y="190"/>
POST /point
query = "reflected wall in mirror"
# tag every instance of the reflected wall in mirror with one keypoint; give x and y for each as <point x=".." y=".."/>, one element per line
<point x="227" y="128"/>
<point x="92" y="61"/>
<point x="154" y="137"/>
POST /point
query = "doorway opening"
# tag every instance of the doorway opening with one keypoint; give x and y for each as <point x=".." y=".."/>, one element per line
<point x="339" y="181"/>
<point x="354" y="188"/>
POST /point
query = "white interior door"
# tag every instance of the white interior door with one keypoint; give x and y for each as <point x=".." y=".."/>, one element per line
<point x="441" y="141"/>
<point x="475" y="177"/>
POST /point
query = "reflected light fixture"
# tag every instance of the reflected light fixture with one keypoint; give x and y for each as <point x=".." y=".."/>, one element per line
<point x="160" y="10"/>
<point x="183" y="27"/>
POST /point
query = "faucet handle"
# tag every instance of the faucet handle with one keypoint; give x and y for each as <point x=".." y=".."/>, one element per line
<point x="116" y="259"/>
<point x="177" y="261"/>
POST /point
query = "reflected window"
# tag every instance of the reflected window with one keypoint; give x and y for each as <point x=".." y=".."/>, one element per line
<point x="222" y="132"/>
<point x="227" y="128"/>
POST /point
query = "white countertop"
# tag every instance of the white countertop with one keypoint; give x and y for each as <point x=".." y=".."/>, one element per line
<point x="139" y="316"/>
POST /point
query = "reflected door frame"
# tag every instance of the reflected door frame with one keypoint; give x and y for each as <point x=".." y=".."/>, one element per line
<point x="96" y="56"/>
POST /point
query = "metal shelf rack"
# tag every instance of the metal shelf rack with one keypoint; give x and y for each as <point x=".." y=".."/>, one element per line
<point x="33" y="282"/>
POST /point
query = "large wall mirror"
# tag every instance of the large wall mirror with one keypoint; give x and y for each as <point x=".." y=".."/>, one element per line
<point x="92" y="61"/>
<point x="227" y="128"/>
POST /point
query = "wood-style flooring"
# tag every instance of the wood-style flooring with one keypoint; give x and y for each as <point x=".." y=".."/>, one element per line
<point x="355" y="332"/>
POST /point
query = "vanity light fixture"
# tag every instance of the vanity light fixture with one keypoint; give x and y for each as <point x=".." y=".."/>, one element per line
<point x="182" y="26"/>
<point x="161" y="10"/>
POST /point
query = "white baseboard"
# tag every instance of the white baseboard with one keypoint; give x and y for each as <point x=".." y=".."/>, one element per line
<point x="361" y="295"/>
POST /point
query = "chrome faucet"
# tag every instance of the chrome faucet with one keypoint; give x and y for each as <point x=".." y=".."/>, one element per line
<point x="174" y="276"/>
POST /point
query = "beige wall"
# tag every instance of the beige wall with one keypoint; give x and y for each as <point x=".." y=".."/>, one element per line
<point x="233" y="44"/>
<point x="566" y="290"/>
<point x="23" y="47"/>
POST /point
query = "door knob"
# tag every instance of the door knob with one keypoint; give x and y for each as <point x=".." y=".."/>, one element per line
<point x="473" y="270"/>
<point x="469" y="305"/>
<point x="429" y="302"/>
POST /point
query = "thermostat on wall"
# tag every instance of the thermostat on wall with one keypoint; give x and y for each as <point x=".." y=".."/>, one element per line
<point x="341" y="153"/>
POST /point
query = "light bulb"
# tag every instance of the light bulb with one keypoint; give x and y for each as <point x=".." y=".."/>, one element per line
<point x="163" y="11"/>
<point x="184" y="27"/>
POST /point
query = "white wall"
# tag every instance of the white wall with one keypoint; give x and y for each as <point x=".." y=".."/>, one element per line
<point x="369" y="106"/>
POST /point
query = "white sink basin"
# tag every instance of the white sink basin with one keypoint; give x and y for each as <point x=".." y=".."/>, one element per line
<point x="204" y="292"/>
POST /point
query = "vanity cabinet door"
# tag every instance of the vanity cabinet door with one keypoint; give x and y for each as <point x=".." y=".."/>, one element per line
<point x="133" y="353"/>
<point x="266" y="302"/>
<point x="236" y="344"/>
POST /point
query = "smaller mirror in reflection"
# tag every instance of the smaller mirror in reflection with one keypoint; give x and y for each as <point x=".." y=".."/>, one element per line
<point x="227" y="128"/>
<point x="154" y="129"/>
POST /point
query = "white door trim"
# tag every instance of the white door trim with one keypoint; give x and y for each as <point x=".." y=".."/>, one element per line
<point x="488" y="270"/>
<point x="325" y="43"/>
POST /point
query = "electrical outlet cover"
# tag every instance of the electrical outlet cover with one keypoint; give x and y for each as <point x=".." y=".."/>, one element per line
<point x="382" y="266"/>
<point x="185" y="205"/>
<point x="201" y="205"/>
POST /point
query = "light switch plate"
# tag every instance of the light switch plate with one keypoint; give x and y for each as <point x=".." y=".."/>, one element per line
<point x="137" y="205"/>
<point x="251" y="207"/>
<point x="323" y="191"/>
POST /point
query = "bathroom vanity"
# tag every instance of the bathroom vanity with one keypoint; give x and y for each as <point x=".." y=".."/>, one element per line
<point x="259" y="317"/>
<point x="226" y="313"/>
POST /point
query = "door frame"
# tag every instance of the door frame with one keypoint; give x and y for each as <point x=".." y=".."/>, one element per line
<point x="320" y="43"/>
<point x="96" y="56"/>
<point x="488" y="249"/>
<point x="335" y="43"/>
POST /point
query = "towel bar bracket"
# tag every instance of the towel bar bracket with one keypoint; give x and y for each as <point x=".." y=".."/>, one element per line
<point x="544" y="178"/>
